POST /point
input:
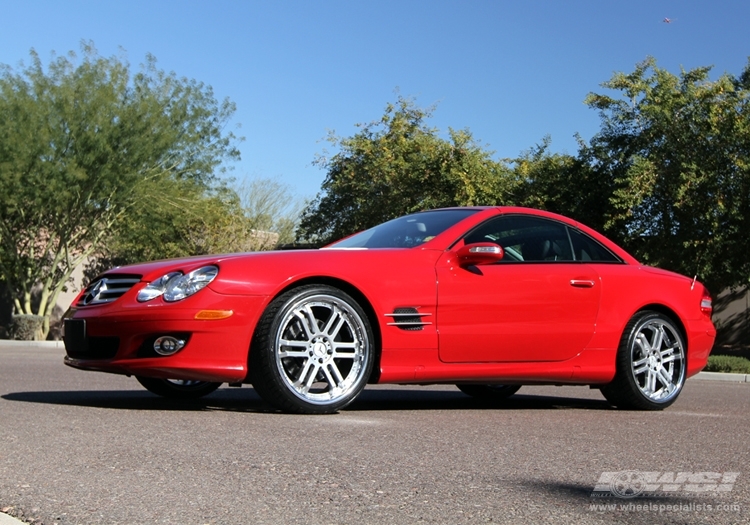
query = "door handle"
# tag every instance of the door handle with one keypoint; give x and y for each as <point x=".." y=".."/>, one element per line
<point x="582" y="283"/>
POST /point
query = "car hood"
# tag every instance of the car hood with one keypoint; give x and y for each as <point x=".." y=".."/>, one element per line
<point x="154" y="269"/>
<point x="265" y="273"/>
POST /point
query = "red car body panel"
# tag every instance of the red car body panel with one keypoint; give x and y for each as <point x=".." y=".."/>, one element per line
<point x="527" y="323"/>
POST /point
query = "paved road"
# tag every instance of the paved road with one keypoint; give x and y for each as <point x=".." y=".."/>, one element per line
<point x="86" y="448"/>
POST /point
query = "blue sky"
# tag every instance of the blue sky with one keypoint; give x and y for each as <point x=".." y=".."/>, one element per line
<point x="509" y="71"/>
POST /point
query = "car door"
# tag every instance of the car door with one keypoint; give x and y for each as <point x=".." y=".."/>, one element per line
<point x="537" y="304"/>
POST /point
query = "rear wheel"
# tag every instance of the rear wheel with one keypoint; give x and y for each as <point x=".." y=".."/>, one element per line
<point x="177" y="388"/>
<point x="313" y="351"/>
<point x="651" y="364"/>
<point x="489" y="392"/>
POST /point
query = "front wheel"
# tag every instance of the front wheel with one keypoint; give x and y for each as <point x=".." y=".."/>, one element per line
<point x="313" y="351"/>
<point x="489" y="392"/>
<point x="177" y="388"/>
<point x="651" y="364"/>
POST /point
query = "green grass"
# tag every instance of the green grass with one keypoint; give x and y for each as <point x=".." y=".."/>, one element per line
<point x="728" y="363"/>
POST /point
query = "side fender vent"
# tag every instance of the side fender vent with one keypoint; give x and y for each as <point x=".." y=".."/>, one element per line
<point x="408" y="318"/>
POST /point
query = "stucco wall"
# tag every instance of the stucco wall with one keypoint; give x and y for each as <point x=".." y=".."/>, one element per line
<point x="732" y="317"/>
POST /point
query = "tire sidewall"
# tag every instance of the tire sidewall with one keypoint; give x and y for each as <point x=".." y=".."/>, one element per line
<point x="279" y="309"/>
<point x="626" y="357"/>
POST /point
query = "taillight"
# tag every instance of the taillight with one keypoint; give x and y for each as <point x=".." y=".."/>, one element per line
<point x="706" y="303"/>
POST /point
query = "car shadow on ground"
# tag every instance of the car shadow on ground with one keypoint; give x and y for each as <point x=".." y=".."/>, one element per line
<point x="246" y="400"/>
<point x="631" y="504"/>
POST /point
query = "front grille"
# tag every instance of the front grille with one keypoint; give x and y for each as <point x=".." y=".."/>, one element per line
<point x="107" y="289"/>
<point x="408" y="318"/>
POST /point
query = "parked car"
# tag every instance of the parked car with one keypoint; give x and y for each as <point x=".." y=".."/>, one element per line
<point x="486" y="298"/>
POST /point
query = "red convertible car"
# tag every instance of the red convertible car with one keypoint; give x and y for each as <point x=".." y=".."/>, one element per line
<point x="486" y="298"/>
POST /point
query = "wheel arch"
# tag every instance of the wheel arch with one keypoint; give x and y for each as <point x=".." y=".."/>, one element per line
<point x="357" y="295"/>
<point x="672" y="315"/>
<point x="625" y="389"/>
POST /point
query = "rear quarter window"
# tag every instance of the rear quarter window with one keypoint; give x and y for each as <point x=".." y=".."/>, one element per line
<point x="586" y="249"/>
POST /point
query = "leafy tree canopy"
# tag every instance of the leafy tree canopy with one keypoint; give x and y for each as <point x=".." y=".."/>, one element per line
<point x="175" y="218"/>
<point x="667" y="175"/>
<point x="561" y="183"/>
<point x="269" y="206"/>
<point x="79" y="144"/>
<point x="399" y="165"/>
<point x="673" y="153"/>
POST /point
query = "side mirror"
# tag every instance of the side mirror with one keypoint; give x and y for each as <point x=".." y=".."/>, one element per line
<point x="479" y="253"/>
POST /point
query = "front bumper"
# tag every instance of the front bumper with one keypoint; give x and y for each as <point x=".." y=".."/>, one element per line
<point x="118" y="337"/>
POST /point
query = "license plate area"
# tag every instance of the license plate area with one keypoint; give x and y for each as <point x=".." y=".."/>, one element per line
<point x="74" y="337"/>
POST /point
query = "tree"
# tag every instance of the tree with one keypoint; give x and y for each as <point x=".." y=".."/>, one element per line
<point x="79" y="143"/>
<point x="562" y="184"/>
<point x="675" y="154"/>
<point x="398" y="165"/>
<point x="269" y="207"/>
<point x="173" y="218"/>
<point x="194" y="219"/>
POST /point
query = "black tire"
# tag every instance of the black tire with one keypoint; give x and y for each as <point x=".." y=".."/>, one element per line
<point x="651" y="364"/>
<point x="313" y="351"/>
<point x="489" y="392"/>
<point x="177" y="388"/>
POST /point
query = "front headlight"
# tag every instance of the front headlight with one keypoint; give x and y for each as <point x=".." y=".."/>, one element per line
<point x="157" y="288"/>
<point x="175" y="286"/>
<point x="186" y="285"/>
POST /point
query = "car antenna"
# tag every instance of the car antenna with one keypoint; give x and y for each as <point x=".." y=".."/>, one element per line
<point x="697" y="270"/>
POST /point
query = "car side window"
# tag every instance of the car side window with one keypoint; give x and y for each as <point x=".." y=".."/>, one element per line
<point x="587" y="249"/>
<point x="525" y="238"/>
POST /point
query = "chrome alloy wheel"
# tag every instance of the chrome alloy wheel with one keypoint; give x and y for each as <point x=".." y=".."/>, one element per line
<point x="658" y="360"/>
<point x="321" y="347"/>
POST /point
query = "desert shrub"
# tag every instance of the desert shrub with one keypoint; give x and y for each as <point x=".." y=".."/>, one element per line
<point x="25" y="327"/>
<point x="728" y="363"/>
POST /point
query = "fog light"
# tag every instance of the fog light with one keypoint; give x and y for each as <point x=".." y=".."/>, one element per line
<point x="168" y="345"/>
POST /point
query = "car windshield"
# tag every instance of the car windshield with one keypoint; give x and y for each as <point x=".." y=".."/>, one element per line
<point x="406" y="232"/>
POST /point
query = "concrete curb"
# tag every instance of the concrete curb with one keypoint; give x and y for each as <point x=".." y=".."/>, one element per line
<point x="721" y="376"/>
<point x="32" y="344"/>
<point x="10" y="520"/>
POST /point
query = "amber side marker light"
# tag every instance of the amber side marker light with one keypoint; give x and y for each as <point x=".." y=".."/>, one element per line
<point x="212" y="315"/>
